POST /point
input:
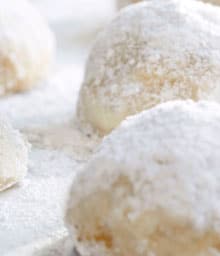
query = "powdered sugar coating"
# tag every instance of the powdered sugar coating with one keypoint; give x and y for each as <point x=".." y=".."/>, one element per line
<point x="26" y="46"/>
<point x="163" y="161"/>
<point x="13" y="155"/>
<point x="152" y="52"/>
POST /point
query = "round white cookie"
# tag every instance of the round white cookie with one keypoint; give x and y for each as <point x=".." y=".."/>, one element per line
<point x="153" y="186"/>
<point x="152" y="52"/>
<point x="26" y="46"/>
<point x="13" y="156"/>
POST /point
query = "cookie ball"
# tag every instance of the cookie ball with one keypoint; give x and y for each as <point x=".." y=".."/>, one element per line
<point x="153" y="186"/>
<point x="26" y="46"/>
<point x="13" y="155"/>
<point x="153" y="52"/>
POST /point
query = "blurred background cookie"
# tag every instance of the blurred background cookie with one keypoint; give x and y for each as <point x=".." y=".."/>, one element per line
<point x="26" y="46"/>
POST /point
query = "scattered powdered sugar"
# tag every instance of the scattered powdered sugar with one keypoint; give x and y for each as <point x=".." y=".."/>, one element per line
<point x="34" y="210"/>
<point x="31" y="213"/>
<point x="46" y="114"/>
<point x="170" y="155"/>
<point x="35" y="207"/>
<point x="51" y="103"/>
<point x="58" y="245"/>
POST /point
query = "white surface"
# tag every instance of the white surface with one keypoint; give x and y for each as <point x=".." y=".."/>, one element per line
<point x="33" y="211"/>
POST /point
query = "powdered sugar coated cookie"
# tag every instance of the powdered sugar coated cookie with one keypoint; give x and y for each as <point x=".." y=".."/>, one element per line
<point x="26" y="46"/>
<point x="152" y="52"/>
<point x="153" y="186"/>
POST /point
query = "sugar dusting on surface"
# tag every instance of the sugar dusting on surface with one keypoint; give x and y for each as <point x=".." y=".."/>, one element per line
<point x="31" y="213"/>
<point x="46" y="116"/>
<point x="35" y="207"/>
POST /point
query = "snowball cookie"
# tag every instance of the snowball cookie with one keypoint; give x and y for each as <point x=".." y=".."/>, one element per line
<point x="13" y="156"/>
<point x="26" y="46"/>
<point x="154" y="51"/>
<point x="153" y="186"/>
